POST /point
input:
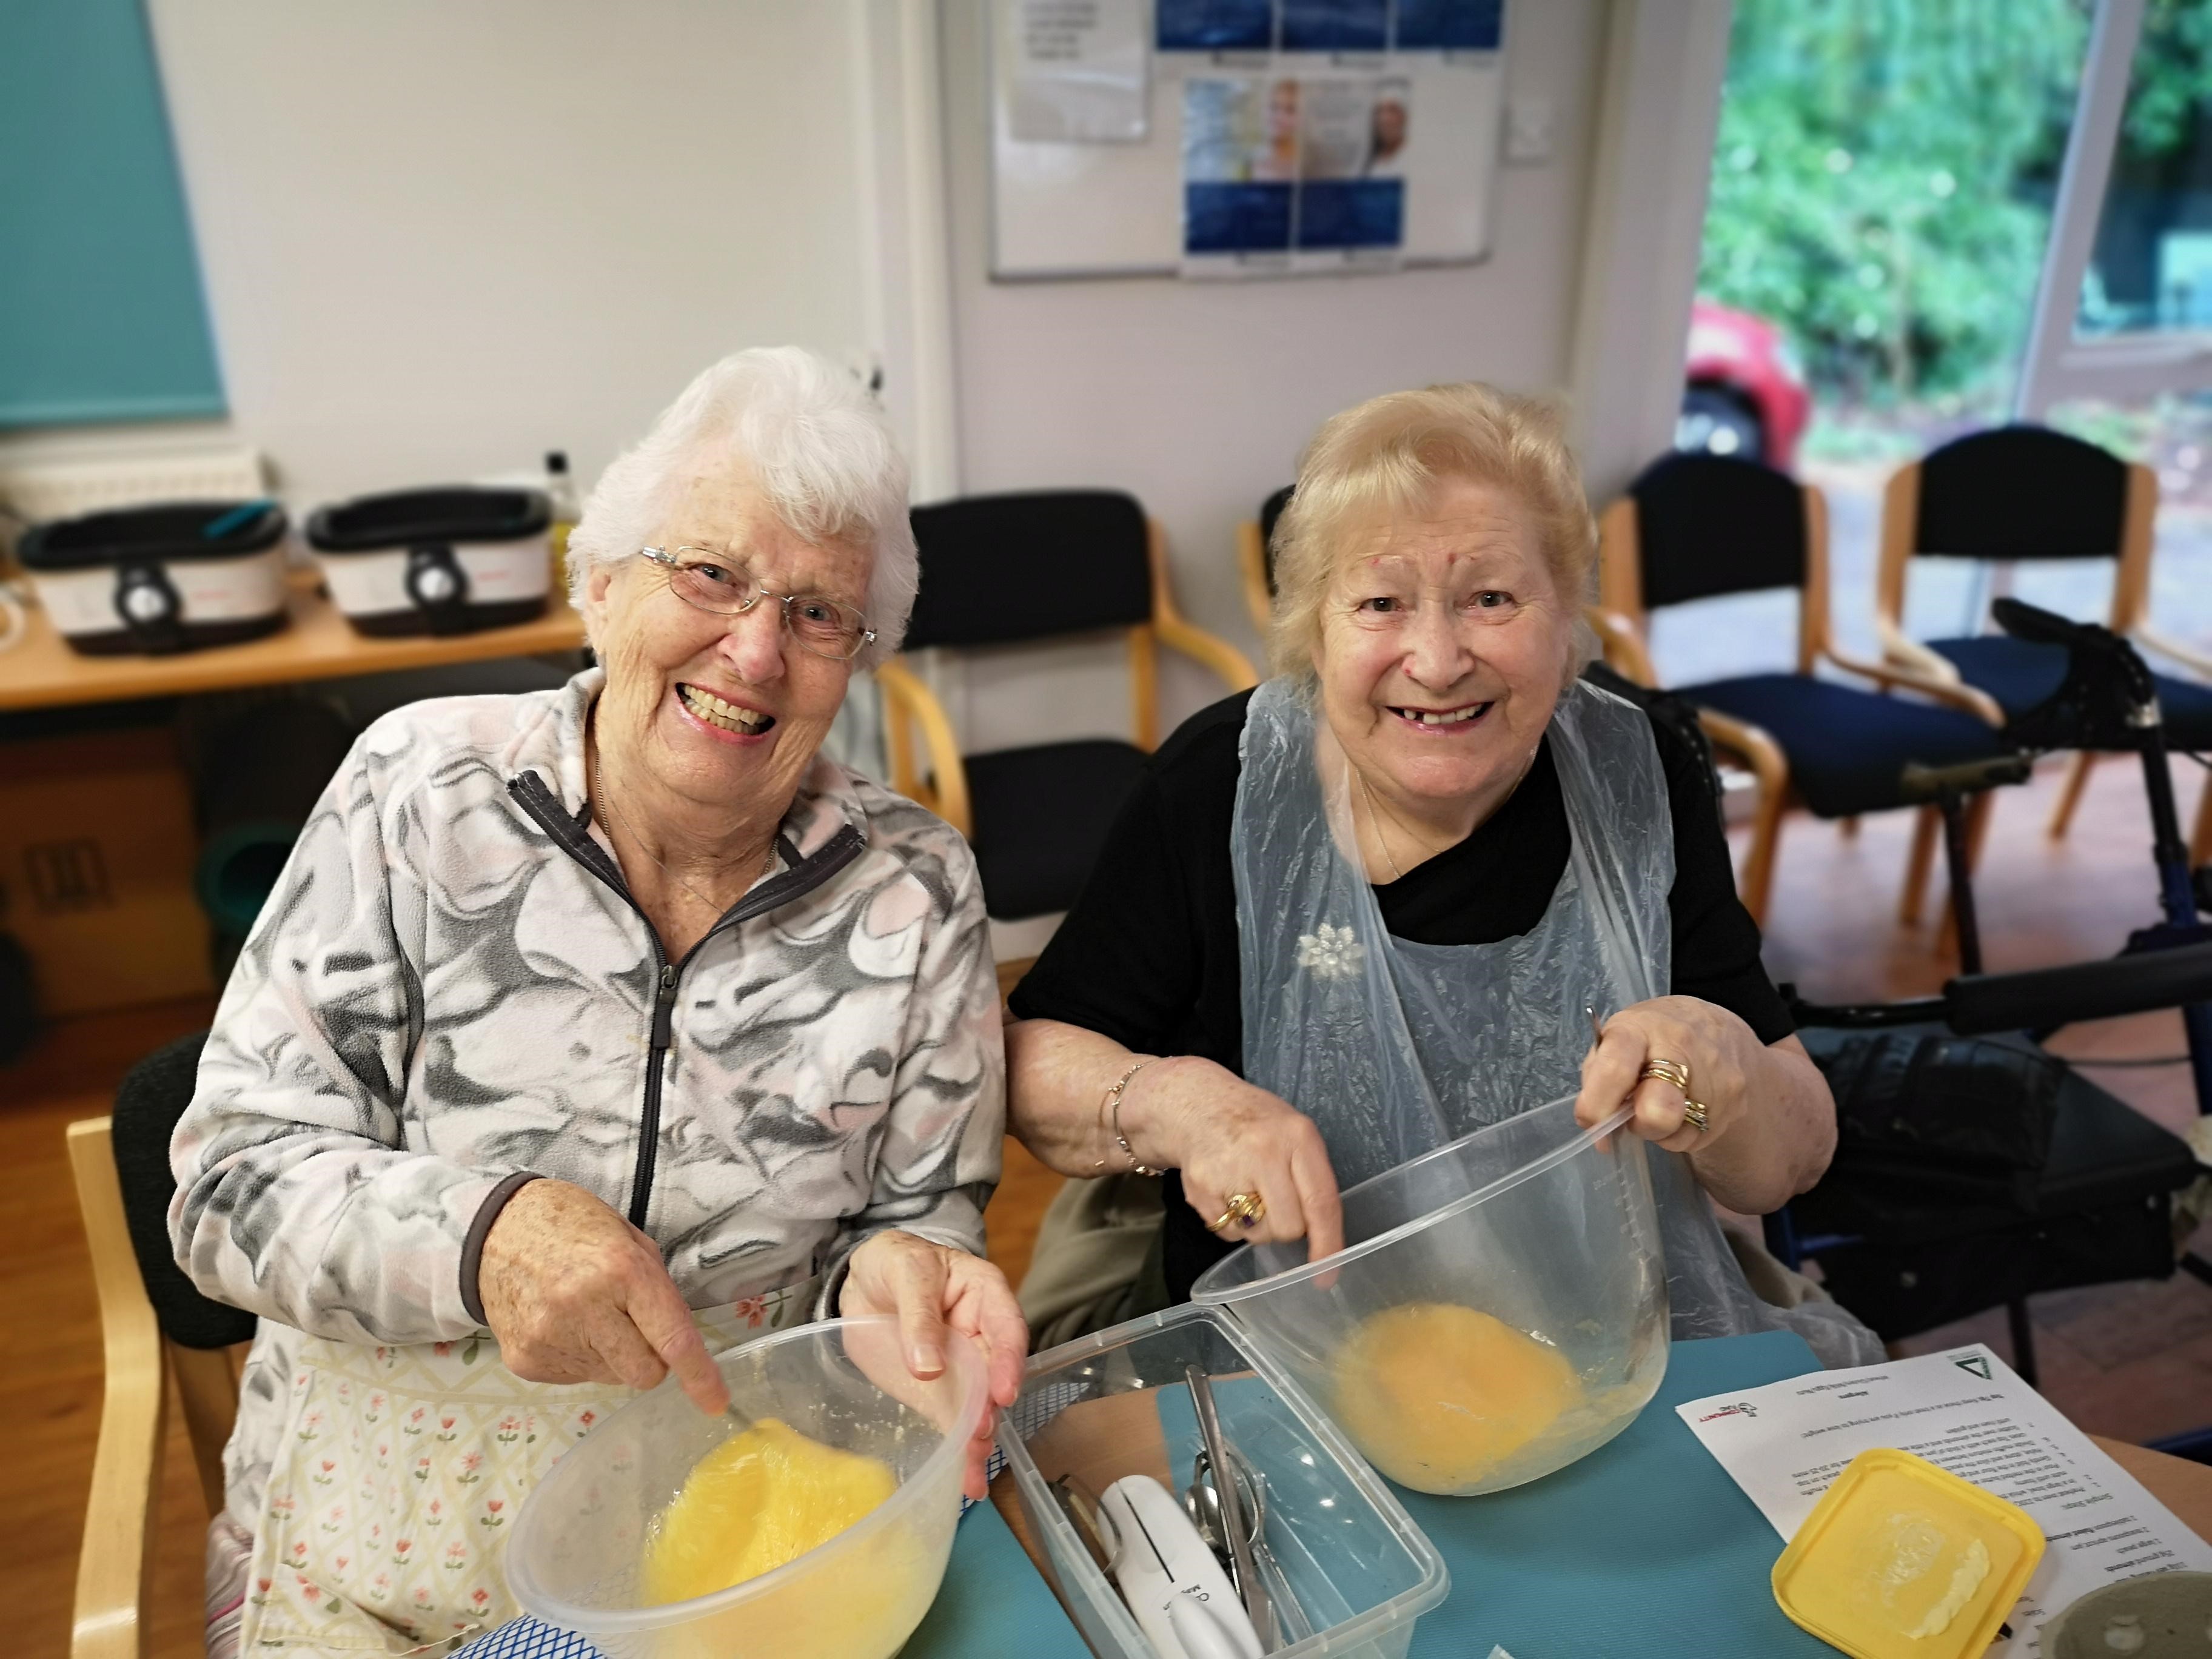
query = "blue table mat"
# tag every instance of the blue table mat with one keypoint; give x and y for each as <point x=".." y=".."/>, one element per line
<point x="992" y="1606"/>
<point x="1643" y="1547"/>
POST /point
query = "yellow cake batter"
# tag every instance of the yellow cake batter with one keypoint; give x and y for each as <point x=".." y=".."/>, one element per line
<point x="1440" y="1398"/>
<point x="762" y="1497"/>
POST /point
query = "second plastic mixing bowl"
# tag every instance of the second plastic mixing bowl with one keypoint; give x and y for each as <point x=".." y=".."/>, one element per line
<point x="578" y="1544"/>
<point x="1547" y="1228"/>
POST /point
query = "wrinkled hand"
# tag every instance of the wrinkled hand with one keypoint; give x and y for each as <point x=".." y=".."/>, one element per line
<point x="573" y="1293"/>
<point x="1716" y="1044"/>
<point x="1228" y="1136"/>
<point x="934" y="1289"/>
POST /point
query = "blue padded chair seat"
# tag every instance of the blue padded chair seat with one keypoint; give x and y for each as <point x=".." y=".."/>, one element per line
<point x="1845" y="746"/>
<point x="1041" y="817"/>
<point x="2021" y="673"/>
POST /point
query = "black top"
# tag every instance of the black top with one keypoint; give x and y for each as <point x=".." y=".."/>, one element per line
<point x="1148" y="957"/>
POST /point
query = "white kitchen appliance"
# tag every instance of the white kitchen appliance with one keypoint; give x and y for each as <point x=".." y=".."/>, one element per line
<point x="444" y="561"/>
<point x="158" y="579"/>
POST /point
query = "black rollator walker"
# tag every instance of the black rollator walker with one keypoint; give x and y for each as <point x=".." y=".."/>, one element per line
<point x="1972" y="1166"/>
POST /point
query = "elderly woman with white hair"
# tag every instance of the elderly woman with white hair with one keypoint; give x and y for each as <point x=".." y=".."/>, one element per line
<point x="1363" y="909"/>
<point x="591" y="1032"/>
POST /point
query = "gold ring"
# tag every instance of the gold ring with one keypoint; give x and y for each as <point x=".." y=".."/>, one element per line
<point x="1694" y="1114"/>
<point x="1247" y="1209"/>
<point x="1669" y="1071"/>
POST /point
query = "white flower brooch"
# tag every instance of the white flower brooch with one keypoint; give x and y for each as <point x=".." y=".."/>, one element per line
<point x="1332" y="952"/>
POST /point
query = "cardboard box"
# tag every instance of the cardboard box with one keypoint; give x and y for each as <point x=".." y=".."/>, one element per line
<point x="96" y="854"/>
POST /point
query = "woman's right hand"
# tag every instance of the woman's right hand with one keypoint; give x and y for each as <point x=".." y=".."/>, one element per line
<point x="1228" y="1136"/>
<point x="573" y="1293"/>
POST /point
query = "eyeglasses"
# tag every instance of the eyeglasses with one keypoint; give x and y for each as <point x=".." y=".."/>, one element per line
<point x="714" y="582"/>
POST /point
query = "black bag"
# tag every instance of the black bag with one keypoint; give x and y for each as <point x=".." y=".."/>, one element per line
<point x="1919" y="1109"/>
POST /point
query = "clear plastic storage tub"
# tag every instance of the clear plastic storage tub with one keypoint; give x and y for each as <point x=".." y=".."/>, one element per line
<point x="579" y="1542"/>
<point x="1339" y="1545"/>
<point x="1499" y="1311"/>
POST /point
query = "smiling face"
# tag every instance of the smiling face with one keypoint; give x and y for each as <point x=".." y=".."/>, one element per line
<point x="1444" y="645"/>
<point x="721" y="712"/>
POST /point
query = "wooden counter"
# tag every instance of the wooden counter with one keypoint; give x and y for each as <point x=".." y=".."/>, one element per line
<point x="43" y="672"/>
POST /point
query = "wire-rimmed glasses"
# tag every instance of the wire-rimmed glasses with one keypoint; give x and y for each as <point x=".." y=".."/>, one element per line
<point x="714" y="582"/>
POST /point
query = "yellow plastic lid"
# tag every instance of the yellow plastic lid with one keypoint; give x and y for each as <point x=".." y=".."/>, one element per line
<point x="1902" y="1560"/>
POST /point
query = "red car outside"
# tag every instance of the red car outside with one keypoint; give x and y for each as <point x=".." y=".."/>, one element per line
<point x="1745" y="392"/>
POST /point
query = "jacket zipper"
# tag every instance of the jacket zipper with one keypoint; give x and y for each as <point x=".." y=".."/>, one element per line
<point x="805" y="875"/>
<point x="648" y="1132"/>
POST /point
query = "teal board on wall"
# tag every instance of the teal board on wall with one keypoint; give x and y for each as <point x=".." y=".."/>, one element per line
<point x="102" y="317"/>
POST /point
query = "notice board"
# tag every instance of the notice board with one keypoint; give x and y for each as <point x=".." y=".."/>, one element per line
<point x="1131" y="79"/>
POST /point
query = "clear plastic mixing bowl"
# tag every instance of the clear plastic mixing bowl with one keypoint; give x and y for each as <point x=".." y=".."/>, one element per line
<point x="579" y="1542"/>
<point x="1546" y="1228"/>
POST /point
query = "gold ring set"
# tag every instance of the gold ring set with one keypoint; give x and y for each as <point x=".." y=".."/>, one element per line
<point x="1245" y="1209"/>
<point x="1676" y="1072"/>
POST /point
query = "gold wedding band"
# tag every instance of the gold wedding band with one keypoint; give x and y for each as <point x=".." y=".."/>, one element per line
<point x="1669" y="1071"/>
<point x="1247" y="1209"/>
<point x="1694" y="1114"/>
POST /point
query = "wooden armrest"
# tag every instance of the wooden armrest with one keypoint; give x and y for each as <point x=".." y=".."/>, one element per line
<point x="1209" y="650"/>
<point x="1767" y="761"/>
<point x="944" y="790"/>
<point x="1906" y="652"/>
<point x="1954" y="693"/>
<point x="906" y="698"/>
<point x="116" y="1559"/>
<point x="1624" y="651"/>
<point x="2166" y="646"/>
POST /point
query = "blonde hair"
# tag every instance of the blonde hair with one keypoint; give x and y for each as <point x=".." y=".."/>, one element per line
<point x="1386" y="457"/>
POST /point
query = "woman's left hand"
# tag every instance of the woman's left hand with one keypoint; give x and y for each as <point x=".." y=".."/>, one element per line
<point x="1721" y="1052"/>
<point x="933" y="1288"/>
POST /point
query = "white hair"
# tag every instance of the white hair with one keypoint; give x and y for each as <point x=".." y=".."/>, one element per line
<point x="814" y="439"/>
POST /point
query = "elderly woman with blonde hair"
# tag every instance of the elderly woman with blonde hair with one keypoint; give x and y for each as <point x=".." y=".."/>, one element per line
<point x="1362" y="910"/>
<point x="592" y="1032"/>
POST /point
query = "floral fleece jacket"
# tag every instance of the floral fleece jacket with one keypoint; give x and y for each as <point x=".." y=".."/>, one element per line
<point x="450" y="990"/>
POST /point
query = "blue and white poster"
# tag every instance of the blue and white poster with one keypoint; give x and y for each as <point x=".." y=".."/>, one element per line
<point x="1328" y="26"/>
<point x="1286" y="174"/>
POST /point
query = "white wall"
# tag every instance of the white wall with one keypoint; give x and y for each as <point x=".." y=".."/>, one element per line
<point x="1198" y="397"/>
<point x="439" y="240"/>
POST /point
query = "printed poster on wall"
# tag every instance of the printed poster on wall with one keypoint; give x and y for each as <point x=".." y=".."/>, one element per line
<point x="1328" y="26"/>
<point x="1080" y="71"/>
<point x="1292" y="174"/>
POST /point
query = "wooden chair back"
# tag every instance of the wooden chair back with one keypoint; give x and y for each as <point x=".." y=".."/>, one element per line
<point x="2018" y="494"/>
<point x="1696" y="526"/>
<point x="116" y="1556"/>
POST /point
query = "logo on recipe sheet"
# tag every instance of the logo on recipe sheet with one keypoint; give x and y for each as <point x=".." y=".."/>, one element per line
<point x="1978" y="1366"/>
<point x="1741" y="1408"/>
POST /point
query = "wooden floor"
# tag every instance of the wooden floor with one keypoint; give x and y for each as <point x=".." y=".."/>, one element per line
<point x="2132" y="1362"/>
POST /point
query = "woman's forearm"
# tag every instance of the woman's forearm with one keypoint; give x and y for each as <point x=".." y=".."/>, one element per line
<point x="1057" y="1075"/>
<point x="1781" y="1140"/>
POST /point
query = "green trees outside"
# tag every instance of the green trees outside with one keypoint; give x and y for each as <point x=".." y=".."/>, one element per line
<point x="1882" y="180"/>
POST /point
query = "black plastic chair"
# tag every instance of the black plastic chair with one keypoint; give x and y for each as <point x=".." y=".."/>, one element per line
<point x="1000" y="570"/>
<point x="1698" y="526"/>
<point x="2022" y="494"/>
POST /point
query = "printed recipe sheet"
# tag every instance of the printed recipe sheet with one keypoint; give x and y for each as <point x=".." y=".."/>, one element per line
<point x="1965" y="1410"/>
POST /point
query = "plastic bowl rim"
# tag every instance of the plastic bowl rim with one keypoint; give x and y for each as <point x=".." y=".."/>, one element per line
<point x="1225" y="1296"/>
<point x="963" y="1356"/>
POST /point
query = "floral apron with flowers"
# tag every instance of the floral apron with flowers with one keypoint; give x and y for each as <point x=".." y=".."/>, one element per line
<point x="399" y="1472"/>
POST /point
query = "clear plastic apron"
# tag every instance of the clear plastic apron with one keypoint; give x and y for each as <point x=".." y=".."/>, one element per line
<point x="1394" y="1048"/>
<point x="401" y="1469"/>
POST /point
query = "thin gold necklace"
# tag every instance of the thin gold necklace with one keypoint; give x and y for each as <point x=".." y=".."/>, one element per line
<point x="1374" y="819"/>
<point x="600" y="783"/>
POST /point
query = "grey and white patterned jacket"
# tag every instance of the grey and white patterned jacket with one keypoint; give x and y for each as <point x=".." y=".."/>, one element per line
<point x="450" y="986"/>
